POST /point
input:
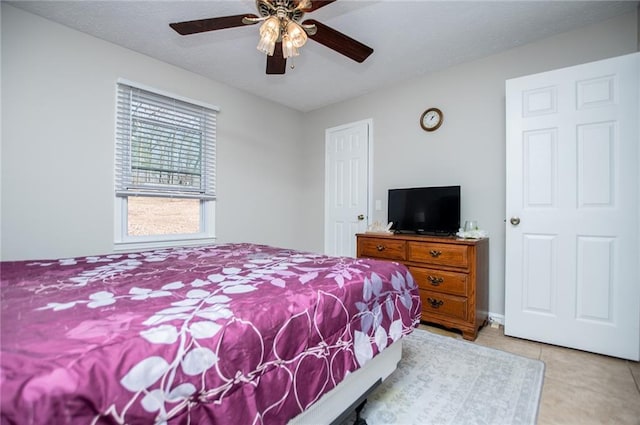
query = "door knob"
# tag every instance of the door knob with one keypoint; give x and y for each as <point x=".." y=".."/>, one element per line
<point x="515" y="220"/>
<point x="361" y="217"/>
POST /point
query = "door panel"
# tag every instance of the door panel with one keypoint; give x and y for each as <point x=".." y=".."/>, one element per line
<point x="572" y="180"/>
<point x="540" y="173"/>
<point x="595" y="283"/>
<point x="539" y="275"/>
<point x="596" y="152"/>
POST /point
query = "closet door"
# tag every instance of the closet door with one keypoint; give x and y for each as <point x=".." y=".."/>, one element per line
<point x="347" y="176"/>
<point x="572" y="252"/>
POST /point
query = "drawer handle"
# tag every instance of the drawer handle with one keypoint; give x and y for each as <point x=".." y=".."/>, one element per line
<point x="380" y="248"/>
<point x="435" y="253"/>
<point x="435" y="303"/>
<point x="435" y="281"/>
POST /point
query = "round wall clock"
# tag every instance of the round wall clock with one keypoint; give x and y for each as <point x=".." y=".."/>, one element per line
<point x="431" y="119"/>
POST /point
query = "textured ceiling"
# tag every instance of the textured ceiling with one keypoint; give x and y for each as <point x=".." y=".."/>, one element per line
<point x="409" y="38"/>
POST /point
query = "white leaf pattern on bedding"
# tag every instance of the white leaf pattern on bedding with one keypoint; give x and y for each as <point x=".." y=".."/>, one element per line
<point x="101" y="295"/>
<point x="164" y="334"/>
<point x="231" y="270"/>
<point x="406" y="300"/>
<point x="68" y="262"/>
<point x="198" y="293"/>
<point x="217" y="299"/>
<point x="186" y="302"/>
<point x="198" y="361"/>
<point x="153" y="401"/>
<point x="377" y="315"/>
<point x="204" y="329"/>
<point x="376" y="284"/>
<point x="381" y="338"/>
<point x="308" y="277"/>
<point x="102" y="302"/>
<point x="214" y="313"/>
<point x="366" y="322"/>
<point x="395" y="330"/>
<point x="367" y="290"/>
<point x="239" y="289"/>
<point x="58" y="306"/>
<point x="389" y="307"/>
<point x="173" y="285"/>
<point x="181" y="392"/>
<point x="410" y="281"/>
<point x="362" y="348"/>
<point x="145" y="373"/>
<point x="280" y="283"/>
<point x="397" y="281"/>
<point x="144" y="293"/>
<point x="199" y="282"/>
<point x="216" y="278"/>
<point x="175" y="310"/>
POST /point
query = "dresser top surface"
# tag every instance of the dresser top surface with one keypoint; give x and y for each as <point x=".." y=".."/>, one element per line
<point x="424" y="238"/>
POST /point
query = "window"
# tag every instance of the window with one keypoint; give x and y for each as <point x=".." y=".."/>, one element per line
<point x="165" y="169"/>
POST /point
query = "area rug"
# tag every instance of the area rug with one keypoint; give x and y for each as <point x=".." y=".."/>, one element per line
<point x="442" y="380"/>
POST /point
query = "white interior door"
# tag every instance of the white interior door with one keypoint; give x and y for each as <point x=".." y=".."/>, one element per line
<point x="346" y="186"/>
<point x="572" y="233"/>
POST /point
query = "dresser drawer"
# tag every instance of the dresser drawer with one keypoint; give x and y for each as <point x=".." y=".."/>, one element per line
<point x="440" y="280"/>
<point x="381" y="248"/>
<point x="443" y="304"/>
<point x="439" y="253"/>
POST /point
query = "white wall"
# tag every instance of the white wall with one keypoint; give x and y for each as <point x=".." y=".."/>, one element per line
<point x="469" y="147"/>
<point x="57" y="190"/>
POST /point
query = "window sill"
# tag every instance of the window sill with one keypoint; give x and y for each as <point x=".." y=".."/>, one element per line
<point x="156" y="244"/>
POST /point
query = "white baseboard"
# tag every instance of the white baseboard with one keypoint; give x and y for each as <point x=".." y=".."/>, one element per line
<point x="496" y="318"/>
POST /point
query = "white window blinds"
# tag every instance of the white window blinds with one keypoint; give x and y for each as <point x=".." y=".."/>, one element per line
<point x="164" y="146"/>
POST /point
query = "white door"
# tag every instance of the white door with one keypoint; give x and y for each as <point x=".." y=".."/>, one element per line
<point x="572" y="233"/>
<point x="346" y="186"/>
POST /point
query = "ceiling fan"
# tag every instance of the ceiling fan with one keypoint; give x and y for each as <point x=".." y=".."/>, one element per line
<point x="282" y="31"/>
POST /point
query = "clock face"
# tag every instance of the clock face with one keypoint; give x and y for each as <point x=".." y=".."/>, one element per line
<point x="431" y="119"/>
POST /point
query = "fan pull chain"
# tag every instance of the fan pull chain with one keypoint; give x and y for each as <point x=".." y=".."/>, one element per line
<point x="293" y="65"/>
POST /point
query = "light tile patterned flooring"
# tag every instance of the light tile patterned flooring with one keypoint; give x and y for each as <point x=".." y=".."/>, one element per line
<point x="579" y="388"/>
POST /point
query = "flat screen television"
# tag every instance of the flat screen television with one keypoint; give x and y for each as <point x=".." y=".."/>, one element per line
<point x="425" y="210"/>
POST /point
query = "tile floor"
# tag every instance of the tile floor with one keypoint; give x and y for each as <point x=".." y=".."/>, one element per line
<point x="579" y="388"/>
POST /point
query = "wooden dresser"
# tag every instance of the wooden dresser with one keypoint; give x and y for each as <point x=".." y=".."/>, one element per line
<point x="452" y="274"/>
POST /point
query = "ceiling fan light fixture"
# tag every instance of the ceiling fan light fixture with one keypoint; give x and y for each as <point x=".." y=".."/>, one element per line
<point x="297" y="34"/>
<point x="289" y="48"/>
<point x="269" y="33"/>
<point x="282" y="23"/>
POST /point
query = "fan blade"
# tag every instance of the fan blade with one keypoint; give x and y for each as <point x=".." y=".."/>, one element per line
<point x="276" y="64"/>
<point x="317" y="4"/>
<point x="211" y="24"/>
<point x="339" y="42"/>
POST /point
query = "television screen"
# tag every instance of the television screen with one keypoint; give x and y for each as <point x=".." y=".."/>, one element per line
<point x="425" y="210"/>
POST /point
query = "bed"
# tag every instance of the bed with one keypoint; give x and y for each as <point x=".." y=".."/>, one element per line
<point x="218" y="334"/>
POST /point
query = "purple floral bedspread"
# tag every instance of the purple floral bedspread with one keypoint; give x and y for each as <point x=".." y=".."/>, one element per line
<point x="223" y="334"/>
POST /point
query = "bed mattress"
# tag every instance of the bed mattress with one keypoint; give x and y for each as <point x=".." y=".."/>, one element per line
<point x="220" y="334"/>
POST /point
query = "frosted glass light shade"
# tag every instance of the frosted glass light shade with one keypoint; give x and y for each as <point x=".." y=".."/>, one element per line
<point x="288" y="47"/>
<point x="297" y="35"/>
<point x="269" y="33"/>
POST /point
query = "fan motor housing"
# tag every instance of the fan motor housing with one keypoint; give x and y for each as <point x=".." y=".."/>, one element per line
<point x="276" y="7"/>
